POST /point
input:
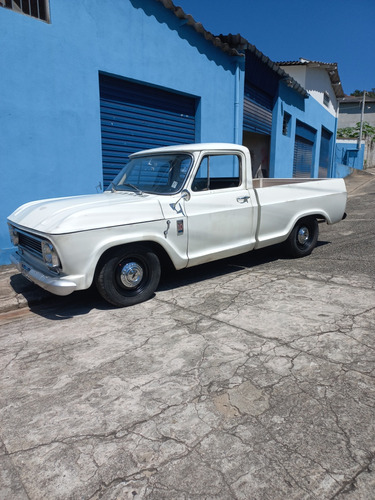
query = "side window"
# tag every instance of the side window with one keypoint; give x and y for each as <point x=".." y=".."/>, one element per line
<point x="217" y="172"/>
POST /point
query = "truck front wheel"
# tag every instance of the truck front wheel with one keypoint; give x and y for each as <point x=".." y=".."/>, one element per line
<point x="303" y="238"/>
<point x="128" y="275"/>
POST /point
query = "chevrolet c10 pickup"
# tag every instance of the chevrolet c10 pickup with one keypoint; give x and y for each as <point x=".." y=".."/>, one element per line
<point x="187" y="205"/>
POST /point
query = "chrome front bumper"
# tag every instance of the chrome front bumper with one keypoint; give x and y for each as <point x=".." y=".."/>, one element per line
<point x="56" y="285"/>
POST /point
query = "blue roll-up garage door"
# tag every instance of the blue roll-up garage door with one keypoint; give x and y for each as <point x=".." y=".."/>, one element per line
<point x="325" y="153"/>
<point x="136" y="117"/>
<point x="257" y="113"/>
<point x="303" y="156"/>
<point x="303" y="150"/>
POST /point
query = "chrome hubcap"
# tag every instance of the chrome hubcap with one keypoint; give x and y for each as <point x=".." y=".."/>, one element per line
<point x="303" y="235"/>
<point x="131" y="275"/>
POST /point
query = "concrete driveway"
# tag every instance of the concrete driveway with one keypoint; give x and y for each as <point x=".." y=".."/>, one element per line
<point x="249" y="378"/>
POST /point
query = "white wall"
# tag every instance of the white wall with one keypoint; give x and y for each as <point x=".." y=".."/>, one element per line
<point x="316" y="81"/>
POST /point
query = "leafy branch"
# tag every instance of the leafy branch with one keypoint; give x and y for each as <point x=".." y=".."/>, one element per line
<point x="359" y="93"/>
<point x="353" y="132"/>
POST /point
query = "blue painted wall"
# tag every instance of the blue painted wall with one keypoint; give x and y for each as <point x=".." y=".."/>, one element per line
<point x="49" y="90"/>
<point x="308" y="111"/>
<point x="348" y="157"/>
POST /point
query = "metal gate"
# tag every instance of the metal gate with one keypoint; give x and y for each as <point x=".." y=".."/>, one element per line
<point x="303" y="150"/>
<point x="302" y="163"/>
<point x="136" y="117"/>
<point x="257" y="113"/>
<point x="325" y="153"/>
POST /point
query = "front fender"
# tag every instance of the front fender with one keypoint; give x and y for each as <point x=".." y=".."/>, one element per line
<point x="80" y="252"/>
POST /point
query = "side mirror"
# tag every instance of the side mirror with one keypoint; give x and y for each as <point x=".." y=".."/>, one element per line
<point x="185" y="195"/>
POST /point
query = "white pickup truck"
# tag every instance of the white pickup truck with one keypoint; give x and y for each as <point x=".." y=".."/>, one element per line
<point x="187" y="204"/>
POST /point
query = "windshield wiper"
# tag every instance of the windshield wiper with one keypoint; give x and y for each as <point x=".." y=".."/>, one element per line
<point x="116" y="188"/>
<point x="137" y="190"/>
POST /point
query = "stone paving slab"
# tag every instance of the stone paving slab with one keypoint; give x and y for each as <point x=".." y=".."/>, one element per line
<point x="177" y="398"/>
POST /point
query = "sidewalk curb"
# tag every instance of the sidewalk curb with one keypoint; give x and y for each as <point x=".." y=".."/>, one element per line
<point x="358" y="179"/>
<point x="16" y="292"/>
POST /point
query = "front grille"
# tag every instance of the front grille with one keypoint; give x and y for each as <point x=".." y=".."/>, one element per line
<point x="31" y="243"/>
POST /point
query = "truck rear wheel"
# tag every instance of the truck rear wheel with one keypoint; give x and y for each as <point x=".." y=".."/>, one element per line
<point x="128" y="275"/>
<point x="303" y="238"/>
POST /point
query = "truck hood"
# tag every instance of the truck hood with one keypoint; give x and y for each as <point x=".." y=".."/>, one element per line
<point x="81" y="213"/>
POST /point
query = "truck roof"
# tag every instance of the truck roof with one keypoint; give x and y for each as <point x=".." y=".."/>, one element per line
<point x="204" y="146"/>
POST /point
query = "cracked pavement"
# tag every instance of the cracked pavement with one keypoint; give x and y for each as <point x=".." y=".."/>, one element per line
<point x="249" y="378"/>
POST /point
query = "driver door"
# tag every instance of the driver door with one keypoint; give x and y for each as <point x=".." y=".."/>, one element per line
<point x="221" y="211"/>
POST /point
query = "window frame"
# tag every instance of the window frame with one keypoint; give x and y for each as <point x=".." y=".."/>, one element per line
<point x="208" y="187"/>
<point x="30" y="8"/>
<point x="326" y="98"/>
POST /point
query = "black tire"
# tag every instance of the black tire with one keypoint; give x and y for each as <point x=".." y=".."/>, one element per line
<point x="303" y="238"/>
<point x="128" y="275"/>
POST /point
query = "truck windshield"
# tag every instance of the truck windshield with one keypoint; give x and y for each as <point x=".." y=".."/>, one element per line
<point x="159" y="174"/>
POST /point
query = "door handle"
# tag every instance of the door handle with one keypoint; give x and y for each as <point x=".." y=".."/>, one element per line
<point x="243" y="199"/>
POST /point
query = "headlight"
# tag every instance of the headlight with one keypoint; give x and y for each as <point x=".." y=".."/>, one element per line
<point x="14" y="237"/>
<point x="50" y="256"/>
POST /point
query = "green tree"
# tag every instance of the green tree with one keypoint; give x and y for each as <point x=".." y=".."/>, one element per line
<point x="353" y="132"/>
<point x="359" y="93"/>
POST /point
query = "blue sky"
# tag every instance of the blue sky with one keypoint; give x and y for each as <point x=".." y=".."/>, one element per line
<point x="340" y="31"/>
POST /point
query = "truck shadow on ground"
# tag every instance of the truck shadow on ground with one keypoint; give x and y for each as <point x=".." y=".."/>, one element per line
<point x="82" y="302"/>
<point x="174" y="279"/>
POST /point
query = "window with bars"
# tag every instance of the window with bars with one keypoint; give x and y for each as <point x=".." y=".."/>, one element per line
<point x="34" y="8"/>
<point x="286" y="123"/>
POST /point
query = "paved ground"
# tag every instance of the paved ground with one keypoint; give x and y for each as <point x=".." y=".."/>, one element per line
<point x="251" y="378"/>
